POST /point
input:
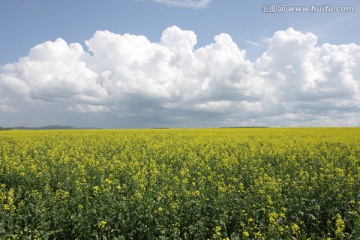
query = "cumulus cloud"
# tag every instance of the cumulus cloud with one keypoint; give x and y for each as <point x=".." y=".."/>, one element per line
<point x="311" y="79"/>
<point x="195" y="4"/>
<point x="170" y="83"/>
<point x="53" y="71"/>
<point x="299" y="69"/>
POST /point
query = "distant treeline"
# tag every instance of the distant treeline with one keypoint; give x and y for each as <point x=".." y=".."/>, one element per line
<point x="248" y="127"/>
<point x="4" y="129"/>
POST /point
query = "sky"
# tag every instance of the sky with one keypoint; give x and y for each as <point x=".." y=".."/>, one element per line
<point x="179" y="63"/>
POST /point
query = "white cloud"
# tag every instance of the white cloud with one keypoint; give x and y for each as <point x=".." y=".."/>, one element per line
<point x="196" y="4"/>
<point x="53" y="71"/>
<point x="4" y="105"/>
<point x="88" y="108"/>
<point x="253" y="43"/>
<point x="311" y="78"/>
<point x="127" y="78"/>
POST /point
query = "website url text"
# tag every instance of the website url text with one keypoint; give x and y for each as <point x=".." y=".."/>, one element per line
<point x="282" y="8"/>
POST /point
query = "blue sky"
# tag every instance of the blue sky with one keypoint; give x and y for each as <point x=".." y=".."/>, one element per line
<point x="44" y="95"/>
<point x="26" y="23"/>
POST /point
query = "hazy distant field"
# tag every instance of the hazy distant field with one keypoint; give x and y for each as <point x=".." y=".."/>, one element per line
<point x="180" y="184"/>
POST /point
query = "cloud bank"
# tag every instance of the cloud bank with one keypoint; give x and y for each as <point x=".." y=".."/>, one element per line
<point x="170" y="83"/>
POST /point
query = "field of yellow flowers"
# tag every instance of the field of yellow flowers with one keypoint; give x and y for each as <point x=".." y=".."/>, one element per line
<point x="286" y="183"/>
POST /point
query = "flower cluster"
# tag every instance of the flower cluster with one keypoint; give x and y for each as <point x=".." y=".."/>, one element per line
<point x="180" y="184"/>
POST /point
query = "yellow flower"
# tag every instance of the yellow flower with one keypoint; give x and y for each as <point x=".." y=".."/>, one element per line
<point x="196" y="193"/>
<point x="273" y="217"/>
<point x="101" y="224"/>
<point x="258" y="235"/>
<point x="6" y="207"/>
<point x="245" y="234"/>
<point x="340" y="225"/>
<point x="96" y="189"/>
<point x="295" y="229"/>
<point x="281" y="230"/>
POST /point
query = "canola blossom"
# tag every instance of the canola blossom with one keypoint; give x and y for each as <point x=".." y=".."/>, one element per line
<point x="266" y="183"/>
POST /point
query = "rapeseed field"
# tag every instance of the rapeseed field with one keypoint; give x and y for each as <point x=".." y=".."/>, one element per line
<point x="269" y="183"/>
